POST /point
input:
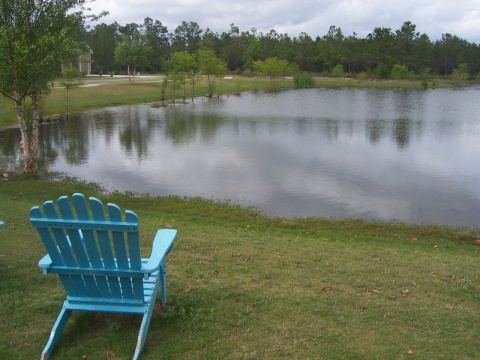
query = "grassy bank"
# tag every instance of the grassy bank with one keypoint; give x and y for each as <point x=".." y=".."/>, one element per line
<point x="245" y="286"/>
<point x="106" y="91"/>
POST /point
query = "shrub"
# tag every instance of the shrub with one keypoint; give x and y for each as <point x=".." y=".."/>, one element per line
<point x="303" y="81"/>
<point x="338" y="71"/>
<point x="362" y="76"/>
<point x="398" y="72"/>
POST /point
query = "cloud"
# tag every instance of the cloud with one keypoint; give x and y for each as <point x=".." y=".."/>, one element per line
<point x="433" y="17"/>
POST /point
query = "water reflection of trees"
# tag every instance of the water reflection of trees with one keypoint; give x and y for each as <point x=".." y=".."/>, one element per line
<point x="10" y="148"/>
<point x="183" y="126"/>
<point x="74" y="140"/>
<point x="135" y="131"/>
<point x="401" y="132"/>
<point x="396" y="116"/>
<point x="375" y="130"/>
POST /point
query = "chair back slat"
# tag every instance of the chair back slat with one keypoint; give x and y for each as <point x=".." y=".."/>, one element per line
<point x="118" y="238"/>
<point x="104" y="246"/>
<point x="133" y="242"/>
<point x="119" y="245"/>
<point x="135" y="257"/>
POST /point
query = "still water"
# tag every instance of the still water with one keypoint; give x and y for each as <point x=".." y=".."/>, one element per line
<point x="402" y="155"/>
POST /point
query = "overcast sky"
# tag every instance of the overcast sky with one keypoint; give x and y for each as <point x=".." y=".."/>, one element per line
<point x="314" y="17"/>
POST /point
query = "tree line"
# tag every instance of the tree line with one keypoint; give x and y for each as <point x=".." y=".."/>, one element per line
<point x="150" y="47"/>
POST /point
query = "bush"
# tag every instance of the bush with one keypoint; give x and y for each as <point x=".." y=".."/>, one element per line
<point x="362" y="76"/>
<point x="398" y="72"/>
<point x="382" y="71"/>
<point x="303" y="81"/>
<point x="338" y="71"/>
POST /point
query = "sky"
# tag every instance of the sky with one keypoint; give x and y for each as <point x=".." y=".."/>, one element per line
<point x="314" y="17"/>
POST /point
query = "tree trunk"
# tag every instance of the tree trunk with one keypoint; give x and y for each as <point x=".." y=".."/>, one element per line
<point x="209" y="87"/>
<point x="33" y="165"/>
<point x="23" y="127"/>
<point x="29" y="144"/>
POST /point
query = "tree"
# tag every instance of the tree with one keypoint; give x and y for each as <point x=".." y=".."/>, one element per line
<point x="182" y="64"/>
<point x="103" y="40"/>
<point x="274" y="68"/>
<point x="235" y="47"/>
<point x="405" y="38"/>
<point x="425" y="76"/>
<point x="304" y="52"/>
<point x="35" y="36"/>
<point x="208" y="64"/>
<point x="156" y="39"/>
<point x="257" y="68"/>
<point x="380" y="42"/>
<point x="194" y="78"/>
<point x="460" y="74"/>
<point x="187" y="37"/>
<point x="70" y="81"/>
<point x="330" y="46"/>
<point x="132" y="52"/>
<point x="220" y="71"/>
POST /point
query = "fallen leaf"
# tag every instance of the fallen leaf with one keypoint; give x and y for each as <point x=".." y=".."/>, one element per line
<point x="435" y="246"/>
<point x="376" y="291"/>
<point x="84" y="357"/>
<point x="413" y="283"/>
<point x="412" y="239"/>
<point x="168" y="226"/>
<point x="449" y="307"/>
<point x="187" y="289"/>
<point x="410" y="352"/>
<point x="405" y="292"/>
<point x="477" y="242"/>
<point x="327" y="288"/>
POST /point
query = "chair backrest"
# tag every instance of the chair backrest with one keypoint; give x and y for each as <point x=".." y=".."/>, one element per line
<point x="95" y="253"/>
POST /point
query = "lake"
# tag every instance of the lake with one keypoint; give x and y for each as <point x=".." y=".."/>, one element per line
<point x="406" y="155"/>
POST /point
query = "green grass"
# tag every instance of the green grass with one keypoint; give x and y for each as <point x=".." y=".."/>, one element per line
<point x="246" y="286"/>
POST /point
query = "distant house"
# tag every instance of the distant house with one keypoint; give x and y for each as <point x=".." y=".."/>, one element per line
<point x="83" y="64"/>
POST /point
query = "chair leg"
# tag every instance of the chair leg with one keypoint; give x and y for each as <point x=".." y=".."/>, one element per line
<point x="56" y="332"/>
<point x="142" y="334"/>
<point x="163" y="282"/>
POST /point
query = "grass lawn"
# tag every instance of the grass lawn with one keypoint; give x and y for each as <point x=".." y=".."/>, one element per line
<point x="246" y="286"/>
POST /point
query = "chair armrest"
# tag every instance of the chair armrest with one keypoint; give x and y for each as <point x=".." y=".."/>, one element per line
<point x="162" y="245"/>
<point x="45" y="263"/>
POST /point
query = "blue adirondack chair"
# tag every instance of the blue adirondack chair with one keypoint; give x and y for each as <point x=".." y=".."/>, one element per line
<point x="98" y="261"/>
